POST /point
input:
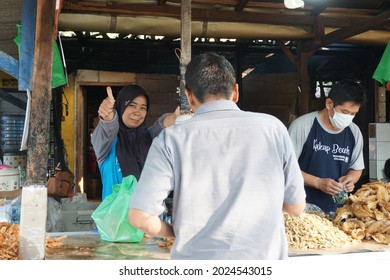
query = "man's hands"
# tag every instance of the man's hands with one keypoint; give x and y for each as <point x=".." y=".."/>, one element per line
<point x="106" y="108"/>
<point x="349" y="180"/>
<point x="329" y="186"/>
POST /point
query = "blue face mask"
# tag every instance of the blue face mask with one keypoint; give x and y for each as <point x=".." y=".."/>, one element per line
<point x="340" y="120"/>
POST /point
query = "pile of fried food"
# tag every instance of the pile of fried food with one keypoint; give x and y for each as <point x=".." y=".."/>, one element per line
<point x="9" y="241"/>
<point x="313" y="231"/>
<point x="366" y="213"/>
<point x="166" y="243"/>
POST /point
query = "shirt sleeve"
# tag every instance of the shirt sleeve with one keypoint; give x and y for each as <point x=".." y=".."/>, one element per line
<point x="294" y="184"/>
<point x="357" y="160"/>
<point x="103" y="136"/>
<point x="299" y="130"/>
<point x="157" y="126"/>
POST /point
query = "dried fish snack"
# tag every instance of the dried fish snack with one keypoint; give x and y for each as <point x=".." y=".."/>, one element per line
<point x="54" y="242"/>
<point x="311" y="231"/>
<point x="366" y="213"/>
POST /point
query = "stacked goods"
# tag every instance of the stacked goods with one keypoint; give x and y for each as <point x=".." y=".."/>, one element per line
<point x="366" y="213"/>
<point x="311" y="231"/>
<point x="12" y="127"/>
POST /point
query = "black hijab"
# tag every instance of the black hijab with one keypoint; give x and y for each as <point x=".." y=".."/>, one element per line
<point x="133" y="143"/>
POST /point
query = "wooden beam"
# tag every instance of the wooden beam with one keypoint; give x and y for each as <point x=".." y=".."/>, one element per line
<point x="211" y="15"/>
<point x="38" y="140"/>
<point x="346" y="32"/>
<point x="304" y="83"/>
<point x="287" y="52"/>
<point x="34" y="195"/>
<point x="9" y="65"/>
<point x="319" y="31"/>
<point x="26" y="48"/>
<point x="279" y="17"/>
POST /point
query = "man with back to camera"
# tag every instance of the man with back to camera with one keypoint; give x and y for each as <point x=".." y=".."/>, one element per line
<point x="386" y="170"/>
<point x="329" y="146"/>
<point x="232" y="173"/>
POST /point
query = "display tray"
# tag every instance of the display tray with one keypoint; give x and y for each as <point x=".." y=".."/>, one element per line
<point x="364" y="246"/>
<point x="88" y="246"/>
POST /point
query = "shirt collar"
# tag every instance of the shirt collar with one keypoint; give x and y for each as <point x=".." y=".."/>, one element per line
<point x="216" y="106"/>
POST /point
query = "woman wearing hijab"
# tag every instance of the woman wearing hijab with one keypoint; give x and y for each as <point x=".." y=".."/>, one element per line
<point x="121" y="140"/>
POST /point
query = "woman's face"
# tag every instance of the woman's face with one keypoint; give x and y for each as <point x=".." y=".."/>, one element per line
<point x="135" y="112"/>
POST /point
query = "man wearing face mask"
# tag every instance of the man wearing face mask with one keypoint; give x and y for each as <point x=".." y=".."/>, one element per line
<point x="329" y="146"/>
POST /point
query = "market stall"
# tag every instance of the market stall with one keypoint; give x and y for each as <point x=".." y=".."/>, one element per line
<point x="359" y="229"/>
<point x="88" y="246"/>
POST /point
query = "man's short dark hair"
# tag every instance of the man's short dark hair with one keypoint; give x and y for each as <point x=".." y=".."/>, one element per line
<point x="347" y="91"/>
<point x="210" y="74"/>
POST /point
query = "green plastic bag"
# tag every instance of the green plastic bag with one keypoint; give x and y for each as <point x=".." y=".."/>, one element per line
<point x="111" y="215"/>
<point x="382" y="72"/>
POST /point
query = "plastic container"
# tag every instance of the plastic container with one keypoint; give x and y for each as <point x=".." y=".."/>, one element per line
<point x="9" y="178"/>
<point x="12" y="127"/>
<point x="15" y="159"/>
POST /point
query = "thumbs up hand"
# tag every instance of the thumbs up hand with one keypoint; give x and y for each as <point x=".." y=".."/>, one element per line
<point x="106" y="108"/>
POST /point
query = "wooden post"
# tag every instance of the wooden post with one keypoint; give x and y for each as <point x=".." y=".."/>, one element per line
<point x="304" y="83"/>
<point x="38" y="140"/>
<point x="185" y="54"/>
<point x="34" y="196"/>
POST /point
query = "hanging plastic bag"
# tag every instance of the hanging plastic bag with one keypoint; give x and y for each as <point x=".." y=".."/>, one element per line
<point x="111" y="215"/>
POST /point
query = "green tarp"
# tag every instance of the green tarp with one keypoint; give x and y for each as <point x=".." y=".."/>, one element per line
<point x="382" y="72"/>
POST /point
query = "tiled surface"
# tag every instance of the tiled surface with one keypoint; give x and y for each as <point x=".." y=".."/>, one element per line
<point x="379" y="149"/>
<point x="383" y="131"/>
<point x="376" y="169"/>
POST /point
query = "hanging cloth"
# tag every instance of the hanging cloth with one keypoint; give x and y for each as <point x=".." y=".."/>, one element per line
<point x="382" y="72"/>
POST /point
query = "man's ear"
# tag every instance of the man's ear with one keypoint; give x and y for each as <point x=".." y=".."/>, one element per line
<point x="192" y="101"/>
<point x="235" y="94"/>
<point x="328" y="103"/>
